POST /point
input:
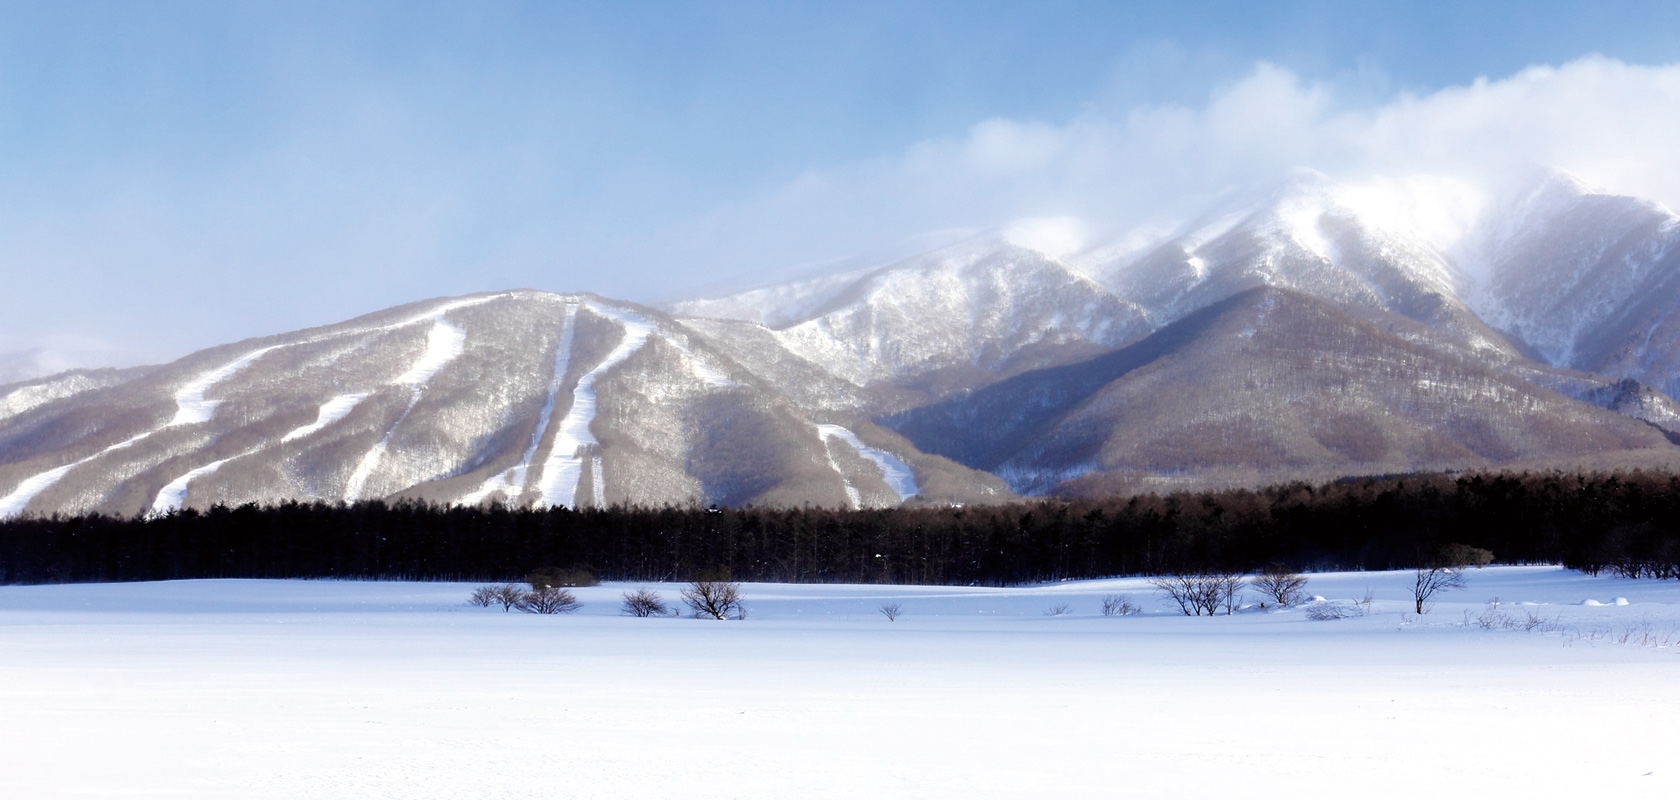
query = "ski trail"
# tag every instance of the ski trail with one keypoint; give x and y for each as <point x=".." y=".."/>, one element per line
<point x="171" y="496"/>
<point x="512" y="482"/>
<point x="895" y="472"/>
<point x="190" y="408"/>
<point x="331" y="411"/>
<point x="562" y="471"/>
<point x="441" y="348"/>
<point x="444" y="343"/>
<point x="854" y="500"/>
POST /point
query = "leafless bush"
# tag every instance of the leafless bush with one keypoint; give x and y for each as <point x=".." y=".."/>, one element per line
<point x="715" y="599"/>
<point x="1058" y="610"/>
<point x="1327" y="610"/>
<point x="646" y="603"/>
<point x="505" y="594"/>
<point x="1285" y="586"/>
<point x="483" y="596"/>
<point x="890" y="611"/>
<point x="1426" y="582"/>
<point x="1118" y="605"/>
<point x="549" y="600"/>
<point x="1535" y="622"/>
<point x="1330" y="609"/>
<point x="1203" y="593"/>
<point x="1491" y="618"/>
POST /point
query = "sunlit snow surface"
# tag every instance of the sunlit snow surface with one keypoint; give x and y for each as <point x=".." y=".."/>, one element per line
<point x="255" y="689"/>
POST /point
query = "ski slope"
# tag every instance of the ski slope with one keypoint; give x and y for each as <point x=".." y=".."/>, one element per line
<point x="255" y="689"/>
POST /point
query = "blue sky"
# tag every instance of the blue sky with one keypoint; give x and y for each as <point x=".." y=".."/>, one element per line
<point x="175" y="175"/>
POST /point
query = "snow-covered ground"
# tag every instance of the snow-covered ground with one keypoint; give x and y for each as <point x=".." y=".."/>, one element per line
<point x="351" y="689"/>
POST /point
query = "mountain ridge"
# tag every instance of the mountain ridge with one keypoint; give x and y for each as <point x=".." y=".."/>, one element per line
<point x="1307" y="328"/>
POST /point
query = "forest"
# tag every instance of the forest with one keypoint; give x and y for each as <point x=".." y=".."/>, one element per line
<point x="1626" y="523"/>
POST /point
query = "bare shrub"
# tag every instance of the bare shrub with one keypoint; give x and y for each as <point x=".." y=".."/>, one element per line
<point x="646" y="603"/>
<point x="1202" y="593"/>
<point x="715" y="600"/>
<point x="1058" y="610"/>
<point x="483" y="596"/>
<point x="1283" y="585"/>
<point x="890" y="611"/>
<point x="1427" y="582"/>
<point x="1535" y="622"/>
<point x="1118" y="605"/>
<point x="1328" y="610"/>
<point x="549" y="600"/>
<point x="1491" y="618"/>
<point x="506" y="594"/>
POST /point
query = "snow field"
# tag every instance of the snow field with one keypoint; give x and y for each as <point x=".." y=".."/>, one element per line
<point x="334" y="689"/>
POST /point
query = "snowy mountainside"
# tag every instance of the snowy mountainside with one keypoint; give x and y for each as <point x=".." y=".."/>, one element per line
<point x="523" y="397"/>
<point x="945" y="321"/>
<point x="1588" y="280"/>
<point x="1268" y="385"/>
<point x="1313" y="236"/>
<point x="1306" y="328"/>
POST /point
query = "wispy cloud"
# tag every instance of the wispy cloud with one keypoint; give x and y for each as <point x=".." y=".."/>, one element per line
<point x="1612" y="124"/>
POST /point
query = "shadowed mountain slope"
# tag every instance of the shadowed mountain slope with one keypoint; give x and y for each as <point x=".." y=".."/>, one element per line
<point x="1267" y="385"/>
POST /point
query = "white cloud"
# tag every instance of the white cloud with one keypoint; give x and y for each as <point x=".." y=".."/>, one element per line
<point x="1613" y="124"/>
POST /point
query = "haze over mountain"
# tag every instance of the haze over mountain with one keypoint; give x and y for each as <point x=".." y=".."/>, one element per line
<point x="1302" y="329"/>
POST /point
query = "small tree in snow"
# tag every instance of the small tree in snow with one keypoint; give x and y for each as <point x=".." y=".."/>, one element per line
<point x="1283" y="585"/>
<point x="549" y="600"/>
<point x="715" y="599"/>
<point x="645" y="603"/>
<point x="1429" y="580"/>
<point x="507" y="595"/>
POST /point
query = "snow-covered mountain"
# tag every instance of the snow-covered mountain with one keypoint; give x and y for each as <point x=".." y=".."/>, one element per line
<point x="524" y="397"/>
<point x="1306" y="328"/>
<point x="1588" y="280"/>
<point x="942" y="321"/>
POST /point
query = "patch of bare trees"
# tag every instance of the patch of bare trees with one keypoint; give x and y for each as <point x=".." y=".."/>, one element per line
<point x="506" y="595"/>
<point x="535" y="600"/>
<point x="1201" y="593"/>
<point x="891" y="611"/>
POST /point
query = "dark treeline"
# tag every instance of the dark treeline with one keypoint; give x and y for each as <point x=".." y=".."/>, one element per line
<point x="1627" y="523"/>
